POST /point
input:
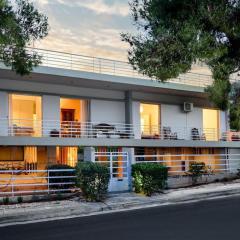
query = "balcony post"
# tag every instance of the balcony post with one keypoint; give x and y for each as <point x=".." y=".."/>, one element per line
<point x="128" y="112"/>
<point x="4" y="114"/>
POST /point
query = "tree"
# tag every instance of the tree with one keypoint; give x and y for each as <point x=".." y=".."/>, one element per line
<point x="174" y="34"/>
<point x="20" y="25"/>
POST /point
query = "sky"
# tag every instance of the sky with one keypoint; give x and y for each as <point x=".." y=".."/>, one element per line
<point x="87" y="27"/>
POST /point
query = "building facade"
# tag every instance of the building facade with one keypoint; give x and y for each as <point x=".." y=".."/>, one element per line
<point x="74" y="108"/>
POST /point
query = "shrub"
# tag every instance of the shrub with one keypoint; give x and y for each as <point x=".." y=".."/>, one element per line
<point x="19" y="199"/>
<point x="6" y="200"/>
<point x="196" y="170"/>
<point x="93" y="179"/>
<point x="64" y="174"/>
<point x="149" y="177"/>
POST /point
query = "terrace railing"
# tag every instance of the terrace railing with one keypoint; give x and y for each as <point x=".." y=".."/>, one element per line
<point x="36" y="182"/>
<point x="84" y="63"/>
<point x="178" y="164"/>
<point x="76" y="129"/>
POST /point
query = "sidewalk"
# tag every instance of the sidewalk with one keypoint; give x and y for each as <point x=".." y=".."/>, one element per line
<point x="44" y="211"/>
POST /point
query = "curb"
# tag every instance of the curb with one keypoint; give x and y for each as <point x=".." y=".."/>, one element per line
<point x="54" y="213"/>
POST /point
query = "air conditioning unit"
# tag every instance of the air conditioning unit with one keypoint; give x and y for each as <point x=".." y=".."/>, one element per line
<point x="187" y="107"/>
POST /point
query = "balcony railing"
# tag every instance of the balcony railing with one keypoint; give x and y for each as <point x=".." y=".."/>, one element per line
<point x="63" y="60"/>
<point x="67" y="129"/>
<point x="178" y="164"/>
<point x="75" y="129"/>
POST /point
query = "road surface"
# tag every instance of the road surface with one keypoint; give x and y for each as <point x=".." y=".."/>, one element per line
<point x="215" y="219"/>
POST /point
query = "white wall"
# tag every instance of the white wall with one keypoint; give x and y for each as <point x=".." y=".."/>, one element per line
<point x="223" y="121"/>
<point x="136" y="119"/>
<point x="107" y="111"/>
<point x="50" y="111"/>
<point x="4" y="113"/>
<point x="172" y="115"/>
<point x="232" y="163"/>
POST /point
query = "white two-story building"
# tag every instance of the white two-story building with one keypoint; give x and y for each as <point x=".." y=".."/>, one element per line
<point x="73" y="106"/>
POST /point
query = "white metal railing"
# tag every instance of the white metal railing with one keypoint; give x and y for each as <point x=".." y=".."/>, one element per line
<point x="178" y="164"/>
<point x="111" y="67"/>
<point x="117" y="163"/>
<point x="187" y="133"/>
<point x="76" y="129"/>
<point x="57" y="128"/>
<point x="25" y="182"/>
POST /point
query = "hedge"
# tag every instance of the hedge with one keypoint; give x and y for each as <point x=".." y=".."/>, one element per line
<point x="63" y="174"/>
<point x="93" y="179"/>
<point x="149" y="177"/>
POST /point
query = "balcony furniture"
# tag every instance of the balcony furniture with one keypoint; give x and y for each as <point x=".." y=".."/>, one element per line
<point x="12" y="165"/>
<point x="197" y="136"/>
<point x="168" y="134"/>
<point x="230" y="136"/>
<point x="54" y="133"/>
<point x="22" y="131"/>
<point x="71" y="129"/>
<point x="235" y="137"/>
<point x="104" y="130"/>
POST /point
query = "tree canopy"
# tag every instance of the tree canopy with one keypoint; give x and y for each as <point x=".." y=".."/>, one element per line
<point x="172" y="35"/>
<point x="20" y="25"/>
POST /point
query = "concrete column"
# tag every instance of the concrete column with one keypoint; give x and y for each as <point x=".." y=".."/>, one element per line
<point x="89" y="154"/>
<point x="131" y="160"/>
<point x="4" y="113"/>
<point x="128" y="107"/>
<point x="51" y="156"/>
<point x="136" y="119"/>
<point x="50" y="114"/>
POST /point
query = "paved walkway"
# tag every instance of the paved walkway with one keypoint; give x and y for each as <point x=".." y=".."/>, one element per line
<point x="44" y="211"/>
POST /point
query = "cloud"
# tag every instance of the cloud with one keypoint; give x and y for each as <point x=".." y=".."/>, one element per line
<point x="80" y="27"/>
<point x="101" y="7"/>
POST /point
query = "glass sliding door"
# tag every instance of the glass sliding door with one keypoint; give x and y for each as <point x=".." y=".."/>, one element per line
<point x="150" y="119"/>
<point x="211" y="124"/>
<point x="25" y="113"/>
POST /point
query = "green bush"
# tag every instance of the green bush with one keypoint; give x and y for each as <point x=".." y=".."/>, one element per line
<point x="19" y="199"/>
<point x="93" y="179"/>
<point x="149" y="177"/>
<point x="64" y="174"/>
<point x="6" y="200"/>
<point x="196" y="170"/>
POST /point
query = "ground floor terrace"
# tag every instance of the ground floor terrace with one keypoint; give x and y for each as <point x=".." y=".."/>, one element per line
<point x="29" y="169"/>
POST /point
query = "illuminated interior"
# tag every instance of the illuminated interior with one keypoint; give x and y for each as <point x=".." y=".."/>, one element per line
<point x="211" y="124"/>
<point x="18" y="158"/>
<point x="74" y="110"/>
<point x="178" y="159"/>
<point x="150" y="119"/>
<point x="67" y="155"/>
<point x="26" y="114"/>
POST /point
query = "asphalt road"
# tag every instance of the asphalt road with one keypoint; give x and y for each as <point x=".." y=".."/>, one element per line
<point x="215" y="219"/>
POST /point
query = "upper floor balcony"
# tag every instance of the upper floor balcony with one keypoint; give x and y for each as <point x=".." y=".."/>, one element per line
<point x="62" y="60"/>
<point x="103" y="130"/>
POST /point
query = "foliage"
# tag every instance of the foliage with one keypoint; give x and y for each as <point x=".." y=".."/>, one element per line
<point x="20" y="25"/>
<point x="93" y="179"/>
<point x="196" y="170"/>
<point x="61" y="177"/>
<point x="137" y="181"/>
<point x="173" y="35"/>
<point x="234" y="112"/>
<point x="149" y="177"/>
<point x="6" y="200"/>
<point x="19" y="199"/>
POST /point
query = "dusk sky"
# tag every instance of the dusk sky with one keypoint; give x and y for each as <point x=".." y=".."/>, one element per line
<point x="88" y="27"/>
